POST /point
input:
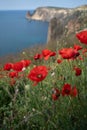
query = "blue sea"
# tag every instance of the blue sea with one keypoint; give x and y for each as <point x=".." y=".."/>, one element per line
<point x="18" y="33"/>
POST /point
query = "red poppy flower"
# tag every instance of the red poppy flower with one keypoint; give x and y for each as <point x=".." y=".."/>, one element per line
<point x="74" y="92"/>
<point x="59" y="61"/>
<point x="68" y="53"/>
<point x="13" y="74"/>
<point x="26" y="63"/>
<point x="52" y="53"/>
<point x="8" y="66"/>
<point x="76" y="53"/>
<point x="82" y="36"/>
<point x="38" y="56"/>
<point x="66" y="89"/>
<point x="18" y="66"/>
<point x="47" y="53"/>
<point x="55" y="93"/>
<point x="78" y="71"/>
<point x="38" y="73"/>
<point x="77" y="47"/>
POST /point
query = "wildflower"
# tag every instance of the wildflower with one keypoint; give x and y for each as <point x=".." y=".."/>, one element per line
<point x="66" y="90"/>
<point x="27" y="87"/>
<point x="23" y="69"/>
<point x="38" y="73"/>
<point x="74" y="92"/>
<point x="78" y="71"/>
<point x="76" y="54"/>
<point x="47" y="53"/>
<point x="23" y="52"/>
<point x="18" y="66"/>
<point x="13" y="74"/>
<point x="55" y="93"/>
<point x="82" y="36"/>
<point x="59" y="61"/>
<point x="26" y="63"/>
<point x="33" y="109"/>
<point x="38" y="56"/>
<point x="77" y="47"/>
<point x="53" y="54"/>
<point x="53" y="73"/>
<point x="8" y="66"/>
<point x="68" y="53"/>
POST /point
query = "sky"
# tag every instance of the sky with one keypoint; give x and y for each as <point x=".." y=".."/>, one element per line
<point x="33" y="4"/>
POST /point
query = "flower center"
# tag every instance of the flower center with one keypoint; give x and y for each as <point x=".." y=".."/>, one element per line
<point x="39" y="76"/>
<point x="67" y="91"/>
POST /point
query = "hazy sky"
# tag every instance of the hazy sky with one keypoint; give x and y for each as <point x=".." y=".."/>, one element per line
<point x="32" y="4"/>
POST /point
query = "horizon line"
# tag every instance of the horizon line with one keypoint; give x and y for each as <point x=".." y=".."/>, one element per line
<point x="42" y="7"/>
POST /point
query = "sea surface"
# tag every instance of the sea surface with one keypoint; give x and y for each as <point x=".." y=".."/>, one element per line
<point x="18" y="33"/>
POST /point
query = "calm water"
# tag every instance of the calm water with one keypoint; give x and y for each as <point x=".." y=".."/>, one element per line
<point x="17" y="33"/>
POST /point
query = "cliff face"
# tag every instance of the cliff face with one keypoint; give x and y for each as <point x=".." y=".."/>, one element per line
<point x="47" y="13"/>
<point x="62" y="21"/>
<point x="69" y="25"/>
<point x="28" y="15"/>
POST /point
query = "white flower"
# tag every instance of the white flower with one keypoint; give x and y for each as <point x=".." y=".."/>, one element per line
<point x="33" y="109"/>
<point x="23" y="52"/>
<point x="27" y="87"/>
<point x="23" y="68"/>
<point x="53" y="73"/>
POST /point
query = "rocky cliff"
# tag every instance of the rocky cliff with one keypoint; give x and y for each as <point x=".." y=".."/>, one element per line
<point x="62" y="21"/>
<point x="28" y="15"/>
<point x="47" y="13"/>
<point x="69" y="25"/>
